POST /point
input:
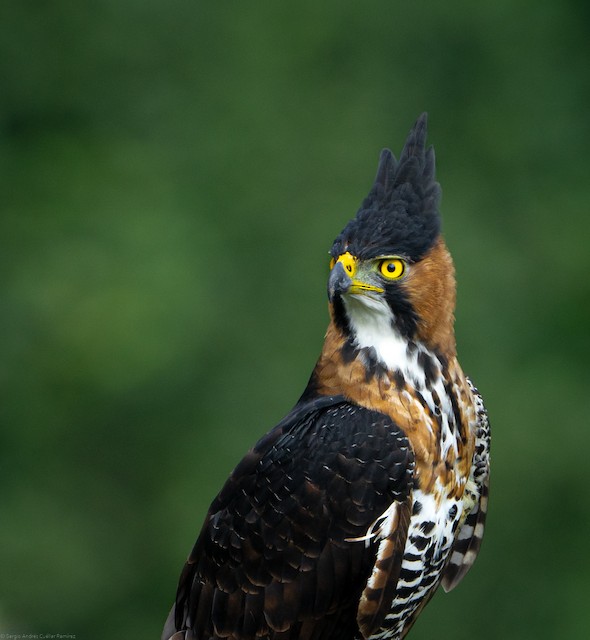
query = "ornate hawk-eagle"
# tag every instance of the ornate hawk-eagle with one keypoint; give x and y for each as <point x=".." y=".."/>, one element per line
<point x="342" y="521"/>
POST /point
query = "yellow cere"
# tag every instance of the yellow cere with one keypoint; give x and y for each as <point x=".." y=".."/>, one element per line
<point x="348" y="262"/>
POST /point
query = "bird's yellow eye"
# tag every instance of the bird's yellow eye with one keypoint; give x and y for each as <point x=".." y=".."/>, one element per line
<point x="392" y="268"/>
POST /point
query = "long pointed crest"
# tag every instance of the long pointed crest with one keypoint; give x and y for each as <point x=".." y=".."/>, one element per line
<point x="400" y="214"/>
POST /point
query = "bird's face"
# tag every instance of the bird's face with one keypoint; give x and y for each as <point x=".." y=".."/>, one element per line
<point x="366" y="285"/>
<point x="391" y="294"/>
<point x="369" y="278"/>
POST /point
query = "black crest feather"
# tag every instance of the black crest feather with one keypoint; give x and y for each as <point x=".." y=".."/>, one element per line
<point x="400" y="215"/>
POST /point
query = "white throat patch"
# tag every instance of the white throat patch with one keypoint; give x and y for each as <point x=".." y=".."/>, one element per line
<point x="372" y="324"/>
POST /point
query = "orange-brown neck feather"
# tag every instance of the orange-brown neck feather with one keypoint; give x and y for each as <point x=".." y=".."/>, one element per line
<point x="430" y="287"/>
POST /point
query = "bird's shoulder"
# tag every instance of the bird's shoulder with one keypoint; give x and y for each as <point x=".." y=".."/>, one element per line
<point x="284" y="546"/>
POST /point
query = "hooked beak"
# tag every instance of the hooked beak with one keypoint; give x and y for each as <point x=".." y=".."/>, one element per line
<point x="342" y="280"/>
<point x="339" y="281"/>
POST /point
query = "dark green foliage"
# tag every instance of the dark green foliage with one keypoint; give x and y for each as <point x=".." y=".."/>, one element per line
<point x="172" y="177"/>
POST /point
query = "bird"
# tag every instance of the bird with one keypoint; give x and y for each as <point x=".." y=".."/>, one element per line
<point x="343" y="520"/>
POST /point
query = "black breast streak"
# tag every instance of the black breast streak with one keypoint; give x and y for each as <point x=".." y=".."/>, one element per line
<point x="431" y="372"/>
<point x="411" y="348"/>
<point x="374" y="369"/>
<point x="436" y="417"/>
<point x="457" y="422"/>
<point x="349" y="351"/>
<point x="399" y="380"/>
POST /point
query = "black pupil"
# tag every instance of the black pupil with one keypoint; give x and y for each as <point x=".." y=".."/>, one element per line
<point x="391" y="267"/>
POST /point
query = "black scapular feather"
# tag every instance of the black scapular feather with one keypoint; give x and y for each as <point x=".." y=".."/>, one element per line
<point x="400" y="215"/>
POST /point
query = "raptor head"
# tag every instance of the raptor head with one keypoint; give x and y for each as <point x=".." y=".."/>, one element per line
<point x="390" y="270"/>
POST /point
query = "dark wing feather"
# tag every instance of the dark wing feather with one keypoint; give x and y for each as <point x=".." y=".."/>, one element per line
<point x="277" y="555"/>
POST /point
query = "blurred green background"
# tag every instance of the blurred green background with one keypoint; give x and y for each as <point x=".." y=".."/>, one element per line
<point x="172" y="177"/>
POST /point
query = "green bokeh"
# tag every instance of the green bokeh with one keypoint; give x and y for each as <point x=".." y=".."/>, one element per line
<point x="172" y="176"/>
